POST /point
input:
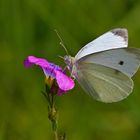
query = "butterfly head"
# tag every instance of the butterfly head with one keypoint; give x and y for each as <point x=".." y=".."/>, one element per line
<point x="69" y="61"/>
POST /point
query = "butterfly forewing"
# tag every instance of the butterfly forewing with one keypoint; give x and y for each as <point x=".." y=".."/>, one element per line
<point x="103" y="83"/>
<point x="125" y="60"/>
<point x="117" y="38"/>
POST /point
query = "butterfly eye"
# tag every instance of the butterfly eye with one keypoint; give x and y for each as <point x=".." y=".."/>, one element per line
<point x="67" y="60"/>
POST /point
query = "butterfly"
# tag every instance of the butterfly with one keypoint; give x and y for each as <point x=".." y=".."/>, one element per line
<point x="104" y="67"/>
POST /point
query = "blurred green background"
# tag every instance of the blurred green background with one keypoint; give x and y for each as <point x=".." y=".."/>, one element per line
<point x="27" y="28"/>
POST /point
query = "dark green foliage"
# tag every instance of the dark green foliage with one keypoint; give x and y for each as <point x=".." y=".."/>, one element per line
<point x="27" y="28"/>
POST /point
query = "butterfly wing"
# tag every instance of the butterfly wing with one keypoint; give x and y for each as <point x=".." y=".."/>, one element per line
<point x="125" y="60"/>
<point x="117" y="38"/>
<point x="103" y="83"/>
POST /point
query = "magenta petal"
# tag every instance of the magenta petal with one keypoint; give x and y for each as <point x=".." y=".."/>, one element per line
<point x="64" y="82"/>
<point x="61" y="92"/>
<point x="27" y="63"/>
<point x="30" y="60"/>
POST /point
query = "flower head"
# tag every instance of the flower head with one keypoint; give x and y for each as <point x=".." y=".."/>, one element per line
<point x="52" y="71"/>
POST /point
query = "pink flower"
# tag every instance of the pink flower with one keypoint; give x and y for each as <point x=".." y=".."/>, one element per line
<point x="64" y="82"/>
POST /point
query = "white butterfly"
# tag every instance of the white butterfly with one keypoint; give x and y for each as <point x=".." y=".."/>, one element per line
<point x="104" y="67"/>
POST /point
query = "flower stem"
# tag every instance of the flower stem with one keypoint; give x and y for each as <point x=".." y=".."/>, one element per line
<point x="53" y="113"/>
<point x="55" y="135"/>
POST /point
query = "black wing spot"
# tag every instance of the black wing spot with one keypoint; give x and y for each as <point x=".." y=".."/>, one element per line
<point x="121" y="63"/>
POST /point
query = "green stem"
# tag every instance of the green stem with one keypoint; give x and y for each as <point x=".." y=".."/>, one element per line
<point x="52" y="114"/>
<point x="56" y="135"/>
<point x="54" y="122"/>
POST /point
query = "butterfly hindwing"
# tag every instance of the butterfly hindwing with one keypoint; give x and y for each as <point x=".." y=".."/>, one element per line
<point x="103" y="83"/>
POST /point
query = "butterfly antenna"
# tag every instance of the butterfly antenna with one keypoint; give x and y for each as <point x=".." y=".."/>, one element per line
<point x="61" y="57"/>
<point x="61" y="42"/>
